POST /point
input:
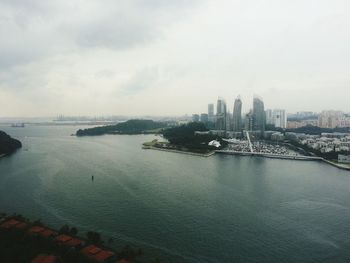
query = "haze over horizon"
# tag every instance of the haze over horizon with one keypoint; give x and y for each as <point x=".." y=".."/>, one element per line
<point x="138" y="57"/>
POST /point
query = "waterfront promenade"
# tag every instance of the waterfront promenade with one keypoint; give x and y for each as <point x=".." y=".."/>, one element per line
<point x="271" y="155"/>
<point x="286" y="157"/>
<point x="254" y="154"/>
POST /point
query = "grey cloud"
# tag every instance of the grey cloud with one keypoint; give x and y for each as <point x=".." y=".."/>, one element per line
<point x="140" y="81"/>
<point x="31" y="30"/>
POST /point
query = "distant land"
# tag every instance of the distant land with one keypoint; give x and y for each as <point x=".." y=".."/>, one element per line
<point x="127" y="127"/>
<point x="8" y="145"/>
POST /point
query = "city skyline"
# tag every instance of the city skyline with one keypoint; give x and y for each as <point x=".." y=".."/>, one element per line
<point x="132" y="57"/>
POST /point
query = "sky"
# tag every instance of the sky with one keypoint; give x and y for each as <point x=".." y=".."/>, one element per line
<point x="173" y="57"/>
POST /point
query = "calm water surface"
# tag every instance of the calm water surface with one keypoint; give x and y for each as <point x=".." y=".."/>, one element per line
<point x="177" y="207"/>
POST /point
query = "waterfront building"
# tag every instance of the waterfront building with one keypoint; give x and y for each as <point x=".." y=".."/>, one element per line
<point x="221" y="114"/>
<point x="195" y="118"/>
<point x="237" y="114"/>
<point x="259" y="118"/>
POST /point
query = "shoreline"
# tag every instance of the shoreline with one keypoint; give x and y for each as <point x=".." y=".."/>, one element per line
<point x="287" y="157"/>
<point x="265" y="155"/>
<point x="272" y="156"/>
<point x="338" y="165"/>
<point x="178" y="151"/>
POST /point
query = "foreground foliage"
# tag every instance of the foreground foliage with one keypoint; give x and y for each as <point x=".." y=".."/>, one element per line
<point x="184" y="137"/>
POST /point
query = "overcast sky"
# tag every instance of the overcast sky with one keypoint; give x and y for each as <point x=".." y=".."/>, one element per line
<point x="171" y="57"/>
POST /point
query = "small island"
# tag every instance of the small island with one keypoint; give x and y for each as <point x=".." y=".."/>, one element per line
<point x="8" y="145"/>
<point x="128" y="127"/>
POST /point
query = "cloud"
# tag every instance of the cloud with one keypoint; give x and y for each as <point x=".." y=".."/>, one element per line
<point x="32" y="30"/>
<point x="74" y="53"/>
<point x="140" y="81"/>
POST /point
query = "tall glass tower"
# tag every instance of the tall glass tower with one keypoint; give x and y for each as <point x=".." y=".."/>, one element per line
<point x="259" y="118"/>
<point x="221" y="112"/>
<point x="237" y="114"/>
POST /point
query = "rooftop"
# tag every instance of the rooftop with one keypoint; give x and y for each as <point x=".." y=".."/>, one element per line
<point x="42" y="258"/>
<point x="97" y="253"/>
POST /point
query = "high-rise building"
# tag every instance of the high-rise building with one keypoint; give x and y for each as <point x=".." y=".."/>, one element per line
<point x="279" y="118"/>
<point x="211" y="115"/>
<point x="228" y="121"/>
<point x="221" y="114"/>
<point x="211" y="110"/>
<point x="249" y="121"/>
<point x="269" y="117"/>
<point x="330" y="119"/>
<point x="259" y="118"/>
<point x="237" y="114"/>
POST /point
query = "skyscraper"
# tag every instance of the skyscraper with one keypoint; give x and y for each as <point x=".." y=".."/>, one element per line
<point x="210" y="110"/>
<point x="269" y="117"/>
<point x="248" y="121"/>
<point x="259" y="119"/>
<point x="237" y="114"/>
<point x="221" y="112"/>
<point x="211" y="116"/>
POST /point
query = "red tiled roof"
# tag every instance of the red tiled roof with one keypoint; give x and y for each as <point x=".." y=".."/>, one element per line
<point x="90" y="250"/>
<point x="63" y="238"/>
<point x="21" y="225"/>
<point x="97" y="253"/>
<point x="74" y="242"/>
<point x="48" y="233"/>
<point x="10" y="223"/>
<point x="36" y="229"/>
<point x="44" y="259"/>
<point x="103" y="255"/>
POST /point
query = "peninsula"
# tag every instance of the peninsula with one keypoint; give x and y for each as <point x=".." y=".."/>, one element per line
<point x="184" y="138"/>
<point x="8" y="145"/>
<point x="127" y="127"/>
